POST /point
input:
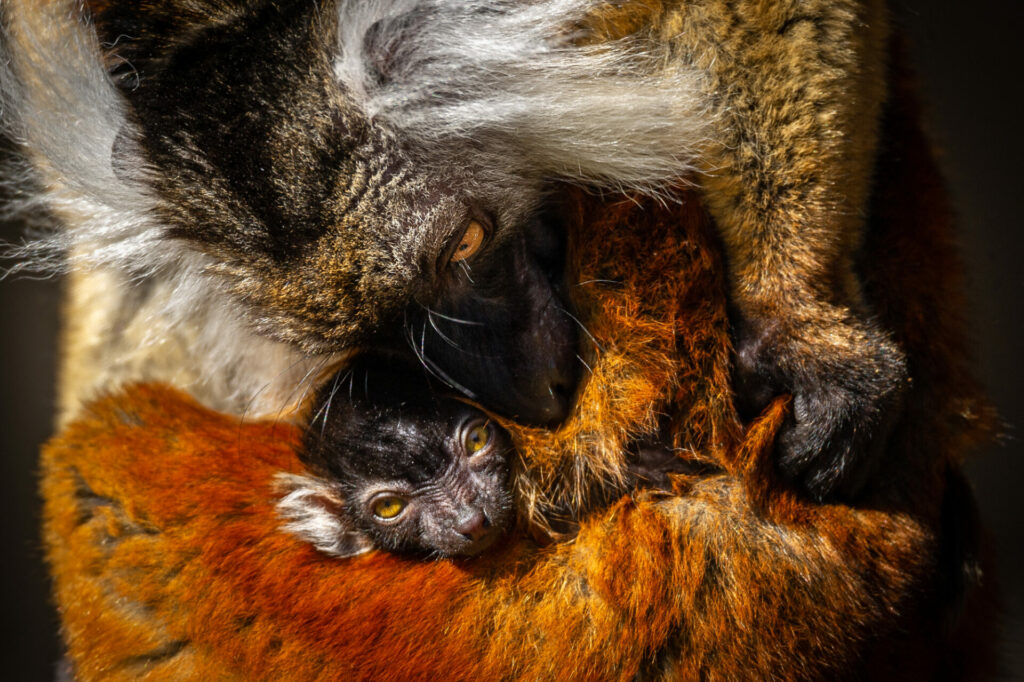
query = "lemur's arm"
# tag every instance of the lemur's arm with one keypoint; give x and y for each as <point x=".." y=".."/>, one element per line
<point x="799" y="87"/>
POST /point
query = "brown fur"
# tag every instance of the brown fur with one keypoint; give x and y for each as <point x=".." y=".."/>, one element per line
<point x="801" y="88"/>
<point x="169" y="562"/>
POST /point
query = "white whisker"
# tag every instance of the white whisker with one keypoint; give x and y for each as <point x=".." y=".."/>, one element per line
<point x="582" y="326"/>
<point x="584" y="363"/>
<point x="447" y="340"/>
<point x="454" y="319"/>
<point x="325" y="409"/>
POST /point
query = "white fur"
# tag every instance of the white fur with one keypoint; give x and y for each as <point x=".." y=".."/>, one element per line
<point x="59" y="105"/>
<point x="306" y="507"/>
<point x="506" y="75"/>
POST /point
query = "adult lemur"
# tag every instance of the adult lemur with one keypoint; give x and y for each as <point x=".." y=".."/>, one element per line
<point x="251" y="189"/>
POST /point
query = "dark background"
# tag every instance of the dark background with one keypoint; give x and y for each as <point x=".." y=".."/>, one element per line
<point x="968" y="57"/>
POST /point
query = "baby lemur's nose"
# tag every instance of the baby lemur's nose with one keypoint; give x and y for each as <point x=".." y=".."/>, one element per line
<point x="473" y="525"/>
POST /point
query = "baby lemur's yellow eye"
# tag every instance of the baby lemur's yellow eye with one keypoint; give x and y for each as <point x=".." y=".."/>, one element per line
<point x="477" y="438"/>
<point x="470" y="241"/>
<point x="388" y="507"/>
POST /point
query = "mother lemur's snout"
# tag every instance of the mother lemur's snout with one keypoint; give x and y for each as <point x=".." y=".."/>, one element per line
<point x="551" y="376"/>
<point x="504" y="333"/>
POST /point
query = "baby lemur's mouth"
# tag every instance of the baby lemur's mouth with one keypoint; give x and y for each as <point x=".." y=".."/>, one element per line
<point x="480" y="530"/>
<point x="481" y="544"/>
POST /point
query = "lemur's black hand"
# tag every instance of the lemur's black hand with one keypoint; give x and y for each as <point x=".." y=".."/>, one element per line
<point x="848" y="381"/>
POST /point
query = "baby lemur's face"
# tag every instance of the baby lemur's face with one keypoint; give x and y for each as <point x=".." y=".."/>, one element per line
<point x="401" y="468"/>
<point x="444" y="487"/>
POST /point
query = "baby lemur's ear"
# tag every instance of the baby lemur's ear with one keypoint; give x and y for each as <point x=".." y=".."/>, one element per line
<point x="316" y="513"/>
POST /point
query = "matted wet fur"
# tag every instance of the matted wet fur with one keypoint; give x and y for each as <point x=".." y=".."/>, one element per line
<point x="169" y="561"/>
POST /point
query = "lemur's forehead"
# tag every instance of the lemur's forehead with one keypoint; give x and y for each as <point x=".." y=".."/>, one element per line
<point x="409" y="221"/>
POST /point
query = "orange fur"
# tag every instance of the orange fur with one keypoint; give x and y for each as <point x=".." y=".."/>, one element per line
<point x="169" y="562"/>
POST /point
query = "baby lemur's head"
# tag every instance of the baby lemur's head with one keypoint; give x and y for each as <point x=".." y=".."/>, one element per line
<point x="398" y="467"/>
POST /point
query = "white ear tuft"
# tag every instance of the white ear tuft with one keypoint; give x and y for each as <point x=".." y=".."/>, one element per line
<point x="315" y="513"/>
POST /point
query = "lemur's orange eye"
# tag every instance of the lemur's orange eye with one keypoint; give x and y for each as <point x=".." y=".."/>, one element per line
<point x="470" y="242"/>
<point x="388" y="506"/>
<point x="477" y="438"/>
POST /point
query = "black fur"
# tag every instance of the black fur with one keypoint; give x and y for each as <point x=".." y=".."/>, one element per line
<point x="381" y="430"/>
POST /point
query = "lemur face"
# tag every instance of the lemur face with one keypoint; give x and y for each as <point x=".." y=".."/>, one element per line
<point x="458" y="508"/>
<point x="333" y="230"/>
<point x="410" y="470"/>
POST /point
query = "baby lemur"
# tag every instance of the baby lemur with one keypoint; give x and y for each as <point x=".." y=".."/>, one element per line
<point x="249" y="189"/>
<point x="398" y="466"/>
